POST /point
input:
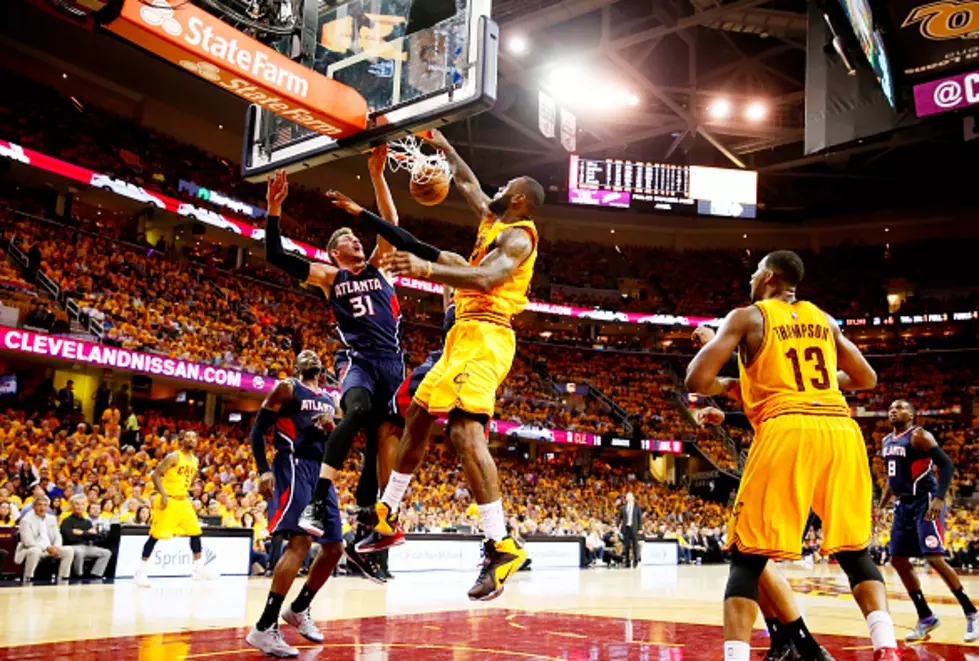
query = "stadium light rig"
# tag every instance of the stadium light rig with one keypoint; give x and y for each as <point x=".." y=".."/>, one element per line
<point x="575" y="86"/>
<point x="720" y="108"/>
<point x="517" y="45"/>
<point x="756" y="111"/>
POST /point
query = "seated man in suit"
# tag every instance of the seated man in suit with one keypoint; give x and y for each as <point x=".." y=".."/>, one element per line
<point x="40" y="538"/>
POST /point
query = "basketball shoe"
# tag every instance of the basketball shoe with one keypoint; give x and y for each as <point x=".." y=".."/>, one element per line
<point x="271" y="643"/>
<point x="972" y="628"/>
<point x="387" y="531"/>
<point x="500" y="559"/>
<point x="922" y="629"/>
<point x="313" y="518"/>
<point x="303" y="623"/>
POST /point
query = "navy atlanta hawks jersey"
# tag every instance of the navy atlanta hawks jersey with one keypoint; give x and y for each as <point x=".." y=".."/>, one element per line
<point x="295" y="431"/>
<point x="909" y="471"/>
<point x="367" y="312"/>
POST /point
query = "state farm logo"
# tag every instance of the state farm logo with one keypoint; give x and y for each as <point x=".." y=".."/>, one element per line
<point x="195" y="31"/>
<point x="948" y="19"/>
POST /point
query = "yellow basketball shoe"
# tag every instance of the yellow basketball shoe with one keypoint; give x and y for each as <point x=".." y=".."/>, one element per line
<point x="387" y="531"/>
<point x="500" y="559"/>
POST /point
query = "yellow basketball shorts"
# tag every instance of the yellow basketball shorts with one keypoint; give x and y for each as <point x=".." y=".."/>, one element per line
<point x="177" y="519"/>
<point x="798" y="462"/>
<point x="478" y="356"/>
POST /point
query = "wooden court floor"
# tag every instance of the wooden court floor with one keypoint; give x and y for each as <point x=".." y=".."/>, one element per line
<point x="648" y="614"/>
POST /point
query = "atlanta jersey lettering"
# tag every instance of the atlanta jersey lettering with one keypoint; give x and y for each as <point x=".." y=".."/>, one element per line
<point x="296" y="431"/>
<point x="367" y="312"/>
<point x="909" y="470"/>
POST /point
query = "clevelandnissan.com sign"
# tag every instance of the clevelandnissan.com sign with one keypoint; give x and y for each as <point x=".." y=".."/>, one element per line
<point x="190" y="37"/>
<point x="947" y="94"/>
<point x="22" y="341"/>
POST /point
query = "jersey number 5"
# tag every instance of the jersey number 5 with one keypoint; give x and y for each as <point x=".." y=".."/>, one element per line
<point x="811" y="355"/>
<point x="363" y="305"/>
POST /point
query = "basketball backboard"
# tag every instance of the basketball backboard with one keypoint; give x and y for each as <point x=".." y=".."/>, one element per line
<point x="411" y="83"/>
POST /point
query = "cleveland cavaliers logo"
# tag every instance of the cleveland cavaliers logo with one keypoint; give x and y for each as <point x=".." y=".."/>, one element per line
<point x="948" y="19"/>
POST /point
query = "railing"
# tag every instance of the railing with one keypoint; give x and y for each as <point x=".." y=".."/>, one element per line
<point x="618" y="414"/>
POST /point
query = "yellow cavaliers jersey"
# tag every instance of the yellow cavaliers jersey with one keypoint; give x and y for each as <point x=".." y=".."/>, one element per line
<point x="178" y="480"/>
<point x="508" y="298"/>
<point x="794" y="371"/>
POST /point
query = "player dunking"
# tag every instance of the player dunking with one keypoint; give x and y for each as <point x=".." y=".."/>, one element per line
<point x="910" y="452"/>
<point x="302" y="414"/>
<point x="479" y="352"/>
<point x="173" y="514"/>
<point x="807" y="452"/>
<point x="371" y="367"/>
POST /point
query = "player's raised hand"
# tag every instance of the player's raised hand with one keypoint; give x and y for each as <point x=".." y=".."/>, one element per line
<point x="341" y="201"/>
<point x="377" y="160"/>
<point x="266" y="485"/>
<point x="403" y="263"/>
<point x="709" y="416"/>
<point x="435" y="138"/>
<point x="277" y="192"/>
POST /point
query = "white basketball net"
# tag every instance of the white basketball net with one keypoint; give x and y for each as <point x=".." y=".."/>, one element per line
<point x="407" y="154"/>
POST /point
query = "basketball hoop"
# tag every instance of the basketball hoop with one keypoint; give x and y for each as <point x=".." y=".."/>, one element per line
<point x="407" y="154"/>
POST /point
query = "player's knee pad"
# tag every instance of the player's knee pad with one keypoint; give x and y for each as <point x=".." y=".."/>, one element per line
<point x="745" y="573"/>
<point x="357" y="404"/>
<point x="859" y="567"/>
<point x="148" y="546"/>
<point x="195" y="544"/>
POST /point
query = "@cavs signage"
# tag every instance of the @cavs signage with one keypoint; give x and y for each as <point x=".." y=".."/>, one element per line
<point x="183" y="34"/>
<point x="935" y="37"/>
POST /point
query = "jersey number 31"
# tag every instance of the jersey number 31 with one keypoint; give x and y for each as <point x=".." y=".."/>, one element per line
<point x="363" y="305"/>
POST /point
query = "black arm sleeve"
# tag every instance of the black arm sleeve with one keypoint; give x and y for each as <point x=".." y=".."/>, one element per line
<point x="737" y="419"/>
<point x="263" y="422"/>
<point x="276" y="256"/>
<point x="945" y="469"/>
<point x="400" y="238"/>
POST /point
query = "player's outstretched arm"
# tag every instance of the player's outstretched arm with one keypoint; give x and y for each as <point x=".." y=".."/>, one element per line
<point x="266" y="417"/>
<point x="707" y="364"/>
<point x="855" y="373"/>
<point x="465" y="178"/>
<point x="513" y="247"/>
<point x="385" y="203"/>
<point x="396" y="236"/>
<point x="315" y="274"/>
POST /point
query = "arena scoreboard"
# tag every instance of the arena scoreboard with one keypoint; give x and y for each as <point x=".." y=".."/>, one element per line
<point x="663" y="187"/>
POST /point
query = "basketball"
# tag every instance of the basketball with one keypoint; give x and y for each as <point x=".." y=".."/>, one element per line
<point x="434" y="189"/>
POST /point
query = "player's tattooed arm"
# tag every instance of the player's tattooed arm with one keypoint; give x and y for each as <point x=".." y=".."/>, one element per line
<point x="156" y="476"/>
<point x="462" y="174"/>
<point x="855" y="373"/>
<point x="703" y="369"/>
<point x="513" y="247"/>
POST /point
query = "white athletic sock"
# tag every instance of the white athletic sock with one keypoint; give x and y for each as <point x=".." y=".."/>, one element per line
<point x="735" y="650"/>
<point x="144" y="566"/>
<point x="395" y="490"/>
<point x="881" y="630"/>
<point x="494" y="523"/>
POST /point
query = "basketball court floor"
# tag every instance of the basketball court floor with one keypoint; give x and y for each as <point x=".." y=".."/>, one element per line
<point x="652" y="613"/>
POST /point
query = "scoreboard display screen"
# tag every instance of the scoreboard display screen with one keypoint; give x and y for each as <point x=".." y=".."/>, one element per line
<point x="642" y="186"/>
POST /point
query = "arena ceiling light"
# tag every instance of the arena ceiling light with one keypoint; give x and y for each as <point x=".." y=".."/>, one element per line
<point x="575" y="87"/>
<point x="517" y="45"/>
<point x="720" y="108"/>
<point x="756" y="111"/>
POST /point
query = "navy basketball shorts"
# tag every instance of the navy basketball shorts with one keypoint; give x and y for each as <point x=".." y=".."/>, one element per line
<point x="295" y="483"/>
<point x="381" y="377"/>
<point x="912" y="536"/>
<point x="398" y="406"/>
